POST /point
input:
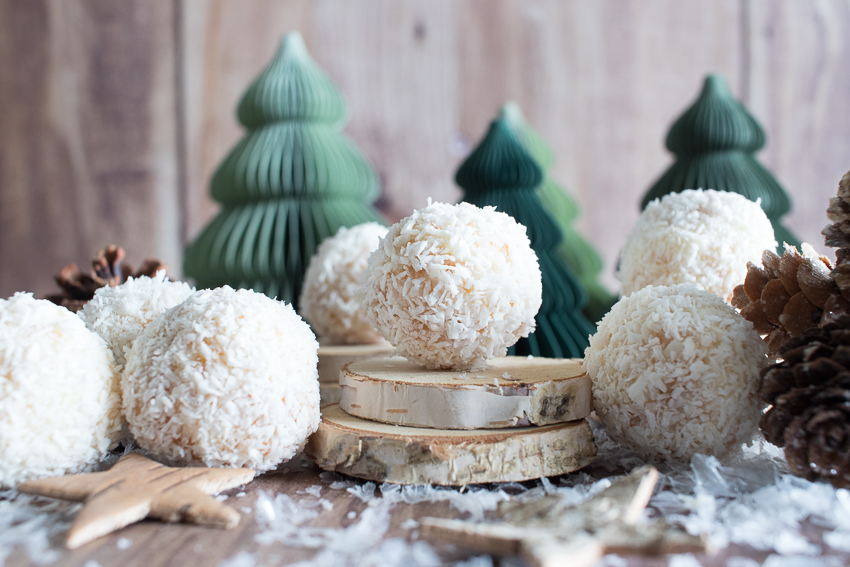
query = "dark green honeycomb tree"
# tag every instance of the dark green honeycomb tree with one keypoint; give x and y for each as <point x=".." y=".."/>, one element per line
<point x="715" y="142"/>
<point x="574" y="250"/>
<point x="501" y="173"/>
<point x="292" y="181"/>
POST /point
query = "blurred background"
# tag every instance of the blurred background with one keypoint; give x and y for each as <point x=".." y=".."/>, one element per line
<point x="114" y="114"/>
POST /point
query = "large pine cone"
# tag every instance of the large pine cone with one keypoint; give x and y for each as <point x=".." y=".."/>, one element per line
<point x="810" y="394"/>
<point x="108" y="269"/>
<point x="838" y="234"/>
<point x="789" y="294"/>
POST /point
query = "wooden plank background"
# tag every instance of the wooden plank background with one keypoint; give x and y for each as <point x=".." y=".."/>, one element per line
<point x="113" y="115"/>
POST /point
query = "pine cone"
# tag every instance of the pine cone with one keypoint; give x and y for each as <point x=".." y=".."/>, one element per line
<point x="838" y="234"/>
<point x="810" y="394"/>
<point x="789" y="294"/>
<point x="817" y="442"/>
<point x="107" y="270"/>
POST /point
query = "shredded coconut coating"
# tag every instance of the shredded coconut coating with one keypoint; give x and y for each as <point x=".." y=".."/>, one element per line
<point x="330" y="298"/>
<point x="701" y="237"/>
<point x="452" y="286"/>
<point x="227" y="378"/>
<point x="119" y="314"/>
<point x="60" y="409"/>
<point x="675" y="372"/>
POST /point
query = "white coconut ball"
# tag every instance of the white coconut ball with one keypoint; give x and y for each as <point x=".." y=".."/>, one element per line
<point x="675" y="372"/>
<point x="227" y="378"/>
<point x="60" y="409"/>
<point x="330" y="297"/>
<point x="120" y="313"/>
<point x="452" y="286"/>
<point x="701" y="237"/>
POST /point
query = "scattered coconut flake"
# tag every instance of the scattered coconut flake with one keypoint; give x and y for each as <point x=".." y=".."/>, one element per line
<point x="683" y="560"/>
<point x="60" y="406"/>
<point x="240" y="494"/>
<point x="123" y="543"/>
<point x="699" y="237"/>
<point x="120" y="313"/>
<point x="241" y="559"/>
<point x="330" y="297"/>
<point x="315" y="490"/>
<point x="226" y="378"/>
<point x="409" y="524"/>
<point x="674" y="373"/>
<point x="452" y="286"/>
<point x="351" y="515"/>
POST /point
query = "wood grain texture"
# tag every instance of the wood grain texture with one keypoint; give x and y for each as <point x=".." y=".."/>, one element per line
<point x="799" y="85"/>
<point x="110" y="128"/>
<point x="87" y="136"/>
<point x="600" y="81"/>
<point x="513" y="391"/>
<point x="153" y="544"/>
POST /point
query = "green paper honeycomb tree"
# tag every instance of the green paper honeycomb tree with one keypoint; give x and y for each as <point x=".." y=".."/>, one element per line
<point x="715" y="142"/>
<point x="292" y="181"/>
<point x="501" y="173"/>
<point x="574" y="250"/>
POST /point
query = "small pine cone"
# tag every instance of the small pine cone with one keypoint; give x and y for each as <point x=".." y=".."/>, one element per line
<point x="817" y="442"/>
<point x="838" y="234"/>
<point x="789" y="294"/>
<point x="107" y="269"/>
<point x="811" y="359"/>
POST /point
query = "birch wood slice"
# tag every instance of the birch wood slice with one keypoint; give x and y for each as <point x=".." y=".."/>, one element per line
<point x="515" y="391"/>
<point x="329" y="393"/>
<point x="409" y="455"/>
<point x="333" y="357"/>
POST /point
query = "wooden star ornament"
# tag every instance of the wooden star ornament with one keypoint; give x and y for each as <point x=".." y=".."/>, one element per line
<point x="137" y="488"/>
<point x="551" y="532"/>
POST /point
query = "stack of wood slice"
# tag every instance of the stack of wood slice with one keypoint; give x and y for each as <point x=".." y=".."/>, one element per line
<point x="519" y="419"/>
<point x="333" y="357"/>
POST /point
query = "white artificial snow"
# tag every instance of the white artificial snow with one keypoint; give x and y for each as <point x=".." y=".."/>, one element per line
<point x="675" y="372"/>
<point x="330" y="296"/>
<point x="120" y="313"/>
<point x="60" y="408"/>
<point x="123" y="543"/>
<point x="700" y="237"/>
<point x="452" y="286"/>
<point x="226" y="378"/>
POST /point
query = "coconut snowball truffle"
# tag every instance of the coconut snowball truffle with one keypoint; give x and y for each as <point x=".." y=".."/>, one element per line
<point x="701" y="237"/>
<point x="452" y="286"/>
<point x="675" y="372"/>
<point x="120" y="313"/>
<point x="330" y="298"/>
<point x="226" y="378"/>
<point x="60" y="408"/>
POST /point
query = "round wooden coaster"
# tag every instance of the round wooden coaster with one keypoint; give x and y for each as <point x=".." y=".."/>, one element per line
<point x="407" y="455"/>
<point x="515" y="391"/>
<point x="333" y="357"/>
<point x="329" y="393"/>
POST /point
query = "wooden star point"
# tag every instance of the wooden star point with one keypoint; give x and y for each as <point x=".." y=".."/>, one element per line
<point x="551" y="532"/>
<point x="137" y="488"/>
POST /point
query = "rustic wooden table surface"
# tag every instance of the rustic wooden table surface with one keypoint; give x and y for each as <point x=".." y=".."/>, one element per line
<point x="152" y="544"/>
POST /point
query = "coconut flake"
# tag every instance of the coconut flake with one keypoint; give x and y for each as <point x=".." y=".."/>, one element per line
<point x="119" y="314"/>
<point x="674" y="373"/>
<point x="330" y="297"/>
<point x="452" y="286"/>
<point x="700" y="237"/>
<point x="226" y="378"/>
<point x="60" y="407"/>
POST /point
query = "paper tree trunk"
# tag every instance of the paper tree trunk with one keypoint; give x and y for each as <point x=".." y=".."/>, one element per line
<point x="500" y="172"/>
<point x="714" y="142"/>
<point x="582" y="259"/>
<point x="292" y="181"/>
